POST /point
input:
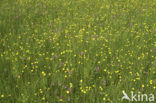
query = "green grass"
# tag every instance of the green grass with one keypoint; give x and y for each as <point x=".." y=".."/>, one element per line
<point x="76" y="51"/>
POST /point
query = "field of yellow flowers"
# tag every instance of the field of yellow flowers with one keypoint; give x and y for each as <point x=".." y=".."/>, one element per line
<point x="76" y="51"/>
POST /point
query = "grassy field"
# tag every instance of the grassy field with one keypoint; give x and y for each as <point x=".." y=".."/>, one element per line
<point x="77" y="51"/>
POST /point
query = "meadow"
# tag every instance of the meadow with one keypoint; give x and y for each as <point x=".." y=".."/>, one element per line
<point x="77" y="51"/>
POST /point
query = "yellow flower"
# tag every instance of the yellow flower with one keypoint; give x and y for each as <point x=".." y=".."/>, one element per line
<point x="84" y="92"/>
<point x="110" y="76"/>
<point x="35" y="94"/>
<point x="101" y="88"/>
<point x="41" y="91"/>
<point x="65" y="76"/>
<point x="2" y="96"/>
<point x="61" y="100"/>
<point x="151" y="81"/>
<point x="117" y="71"/>
<point x="27" y="51"/>
<point x="43" y="73"/>
<point x="138" y="78"/>
<point x="81" y="81"/>
<point x="49" y="74"/>
<point x="43" y="98"/>
<point x="19" y="77"/>
<point x="67" y="91"/>
<point x="71" y="85"/>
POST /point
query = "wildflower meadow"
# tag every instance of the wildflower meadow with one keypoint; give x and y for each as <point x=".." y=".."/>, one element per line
<point x="77" y="51"/>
